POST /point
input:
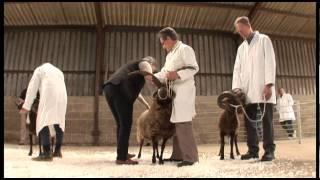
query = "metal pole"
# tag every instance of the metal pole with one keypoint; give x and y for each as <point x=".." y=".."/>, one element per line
<point x="299" y="120"/>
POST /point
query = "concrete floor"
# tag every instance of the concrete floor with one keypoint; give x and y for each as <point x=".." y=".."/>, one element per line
<point x="292" y="160"/>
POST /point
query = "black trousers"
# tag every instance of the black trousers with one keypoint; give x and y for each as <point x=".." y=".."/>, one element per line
<point x="122" y="108"/>
<point x="267" y="123"/>
<point x="287" y="125"/>
<point x="45" y="138"/>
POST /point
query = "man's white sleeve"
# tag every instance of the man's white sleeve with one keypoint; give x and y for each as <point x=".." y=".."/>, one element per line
<point x="270" y="62"/>
<point x="33" y="88"/>
<point x="236" y="81"/>
<point x="189" y="58"/>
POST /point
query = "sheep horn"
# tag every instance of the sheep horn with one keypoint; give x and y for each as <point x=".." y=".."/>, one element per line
<point x="155" y="80"/>
<point x="225" y="94"/>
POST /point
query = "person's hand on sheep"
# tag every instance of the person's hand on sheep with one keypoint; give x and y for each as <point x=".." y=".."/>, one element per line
<point x="172" y="75"/>
<point x="23" y="111"/>
<point x="148" y="77"/>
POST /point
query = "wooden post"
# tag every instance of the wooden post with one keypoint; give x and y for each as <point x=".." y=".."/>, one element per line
<point x="99" y="59"/>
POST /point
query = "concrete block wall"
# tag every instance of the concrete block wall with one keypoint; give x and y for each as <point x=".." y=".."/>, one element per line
<point x="80" y="119"/>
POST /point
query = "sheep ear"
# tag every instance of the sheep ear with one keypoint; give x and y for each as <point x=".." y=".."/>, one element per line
<point x="154" y="95"/>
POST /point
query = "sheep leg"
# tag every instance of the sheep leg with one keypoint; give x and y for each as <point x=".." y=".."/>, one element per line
<point x="141" y="144"/>
<point x="231" y="145"/>
<point x="162" y="149"/>
<point x="40" y="149"/>
<point x="52" y="143"/>
<point x="30" y="138"/>
<point x="154" y="145"/>
<point x="236" y="144"/>
<point x="221" y="146"/>
<point x="158" y="153"/>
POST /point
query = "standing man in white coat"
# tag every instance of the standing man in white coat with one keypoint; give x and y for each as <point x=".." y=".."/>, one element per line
<point x="255" y="73"/>
<point x="286" y="113"/>
<point x="49" y="80"/>
<point x="183" y="110"/>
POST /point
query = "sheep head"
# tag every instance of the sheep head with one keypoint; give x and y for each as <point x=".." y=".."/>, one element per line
<point x="162" y="95"/>
<point x="235" y="97"/>
<point x="240" y="96"/>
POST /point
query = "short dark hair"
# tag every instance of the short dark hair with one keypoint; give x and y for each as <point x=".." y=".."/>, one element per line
<point x="168" y="32"/>
<point x="243" y="20"/>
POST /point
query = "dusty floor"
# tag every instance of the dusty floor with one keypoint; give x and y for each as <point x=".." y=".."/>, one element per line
<point x="292" y="160"/>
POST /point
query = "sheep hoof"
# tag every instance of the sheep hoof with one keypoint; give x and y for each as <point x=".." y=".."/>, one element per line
<point x="232" y="157"/>
<point x="139" y="156"/>
<point x="160" y="162"/>
<point x="221" y="158"/>
<point x="153" y="161"/>
<point x="30" y="153"/>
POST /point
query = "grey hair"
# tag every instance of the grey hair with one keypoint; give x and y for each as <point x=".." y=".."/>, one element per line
<point x="149" y="59"/>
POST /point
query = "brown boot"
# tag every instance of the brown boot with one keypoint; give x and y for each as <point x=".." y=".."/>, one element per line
<point x="128" y="162"/>
<point x="57" y="154"/>
<point x="43" y="157"/>
<point x="57" y="151"/>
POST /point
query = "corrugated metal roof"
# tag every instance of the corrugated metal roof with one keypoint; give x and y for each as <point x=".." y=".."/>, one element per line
<point x="234" y="3"/>
<point x="280" y="24"/>
<point x="307" y="8"/>
<point x="281" y="18"/>
<point x="49" y="13"/>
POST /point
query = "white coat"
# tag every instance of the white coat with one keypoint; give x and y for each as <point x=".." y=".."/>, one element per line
<point x="284" y="106"/>
<point x="49" y="80"/>
<point x="184" y="103"/>
<point x="255" y="67"/>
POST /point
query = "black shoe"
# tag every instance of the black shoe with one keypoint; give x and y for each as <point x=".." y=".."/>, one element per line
<point x="268" y="156"/>
<point x="185" y="163"/>
<point x="44" y="157"/>
<point x="249" y="155"/>
<point x="171" y="159"/>
<point x="57" y="154"/>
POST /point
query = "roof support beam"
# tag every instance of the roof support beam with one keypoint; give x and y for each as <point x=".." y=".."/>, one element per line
<point x="99" y="59"/>
<point x="253" y="11"/>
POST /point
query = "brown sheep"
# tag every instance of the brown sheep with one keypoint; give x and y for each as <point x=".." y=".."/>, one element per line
<point x="229" y="119"/>
<point x="154" y="124"/>
<point x="31" y="127"/>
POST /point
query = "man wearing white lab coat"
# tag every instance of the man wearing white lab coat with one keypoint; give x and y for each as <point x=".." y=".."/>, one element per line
<point x="183" y="110"/>
<point x="49" y="80"/>
<point x="254" y="73"/>
<point x="286" y="113"/>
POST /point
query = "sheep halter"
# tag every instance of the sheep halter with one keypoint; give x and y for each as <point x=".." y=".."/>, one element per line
<point x="248" y="118"/>
<point x="245" y="113"/>
<point x="169" y="85"/>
